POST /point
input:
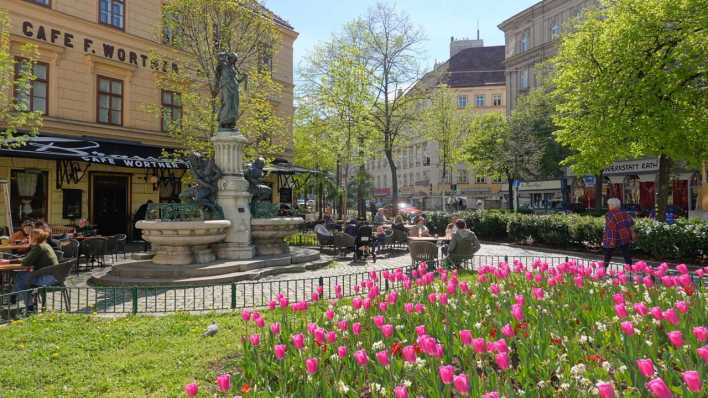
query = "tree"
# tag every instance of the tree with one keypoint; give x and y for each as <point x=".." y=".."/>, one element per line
<point x="16" y="121"/>
<point x="197" y="31"/>
<point x="496" y="149"/>
<point x="441" y="122"/>
<point x="630" y="82"/>
<point x="391" y="44"/>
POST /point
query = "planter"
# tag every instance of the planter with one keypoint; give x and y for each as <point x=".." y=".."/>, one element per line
<point x="268" y="234"/>
<point x="183" y="242"/>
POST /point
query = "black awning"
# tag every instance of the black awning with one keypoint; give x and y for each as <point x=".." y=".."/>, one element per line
<point x="92" y="150"/>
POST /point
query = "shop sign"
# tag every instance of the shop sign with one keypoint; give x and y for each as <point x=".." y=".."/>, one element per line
<point x="633" y="167"/>
<point x="382" y="191"/>
<point x="550" y="185"/>
<point x="106" y="50"/>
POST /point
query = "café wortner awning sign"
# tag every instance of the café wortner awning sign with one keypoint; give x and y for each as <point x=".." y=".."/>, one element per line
<point x="95" y="151"/>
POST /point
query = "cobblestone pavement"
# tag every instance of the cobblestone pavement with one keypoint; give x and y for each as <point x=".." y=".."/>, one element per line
<point x="343" y="275"/>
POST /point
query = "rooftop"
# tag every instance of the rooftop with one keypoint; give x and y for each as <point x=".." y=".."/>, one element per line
<point x="477" y="66"/>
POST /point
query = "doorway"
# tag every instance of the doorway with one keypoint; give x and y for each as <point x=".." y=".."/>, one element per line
<point x="111" y="204"/>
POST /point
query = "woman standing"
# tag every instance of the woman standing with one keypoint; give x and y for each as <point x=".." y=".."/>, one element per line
<point x="618" y="232"/>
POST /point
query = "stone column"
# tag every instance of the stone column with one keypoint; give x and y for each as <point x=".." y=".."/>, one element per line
<point x="233" y="196"/>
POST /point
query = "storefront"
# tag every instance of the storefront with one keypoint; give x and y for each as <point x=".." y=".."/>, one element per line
<point x="62" y="180"/>
<point x="540" y="194"/>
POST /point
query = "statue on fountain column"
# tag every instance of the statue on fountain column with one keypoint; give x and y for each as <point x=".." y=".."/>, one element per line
<point x="229" y="79"/>
<point x="202" y="193"/>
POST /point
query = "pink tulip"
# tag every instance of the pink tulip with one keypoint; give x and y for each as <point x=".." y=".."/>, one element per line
<point x="420" y="330"/>
<point x="479" y="345"/>
<point x="517" y="312"/>
<point x="682" y="306"/>
<point x="656" y="313"/>
<point x="646" y="367"/>
<point x="620" y="311"/>
<point x="676" y="338"/>
<point x="492" y="394"/>
<point x="315" y="296"/>
<point x="299" y="341"/>
<point x="466" y="337"/>
<point x="670" y="316"/>
<point x="329" y="314"/>
<point x="408" y="353"/>
<point x="519" y="299"/>
<point x="311" y="327"/>
<point x="191" y="389"/>
<point x="356" y="303"/>
<point x="648" y="281"/>
<point x="356" y="328"/>
<point x="275" y="328"/>
<point x="255" y="339"/>
<point x="419" y="308"/>
<point x="387" y="330"/>
<point x="432" y="298"/>
<point x="383" y="306"/>
<point x="461" y="384"/>
<point x="494" y="289"/>
<point x="379" y="320"/>
<point x="606" y="390"/>
<point x="692" y="380"/>
<point x="447" y="373"/>
<point x="682" y="268"/>
<point x="311" y="364"/>
<point x="703" y="353"/>
<point x="331" y="337"/>
<point x="246" y="315"/>
<point x="658" y="388"/>
<point x="507" y="330"/>
<point x="319" y="335"/>
<point x="641" y="308"/>
<point x="502" y="360"/>
<point x="279" y="351"/>
<point x="400" y="392"/>
<point x="408" y="307"/>
<point x="343" y="325"/>
<point x="366" y="303"/>
<point x="701" y="333"/>
<point x="618" y="298"/>
<point x="627" y="328"/>
<point x="342" y="352"/>
<point x="500" y="346"/>
<point x="537" y="293"/>
<point x="382" y="358"/>
<point x="361" y="358"/>
<point x="223" y="382"/>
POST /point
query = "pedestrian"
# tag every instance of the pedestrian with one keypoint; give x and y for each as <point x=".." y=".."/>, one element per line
<point x="380" y="217"/>
<point x="372" y="209"/>
<point x="619" y="232"/>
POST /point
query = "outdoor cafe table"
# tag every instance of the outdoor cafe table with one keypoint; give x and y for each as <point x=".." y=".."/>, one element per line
<point x="9" y="248"/>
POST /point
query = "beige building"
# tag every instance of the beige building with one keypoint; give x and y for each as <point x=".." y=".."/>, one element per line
<point x="531" y="38"/>
<point x="99" y="153"/>
<point x="475" y="74"/>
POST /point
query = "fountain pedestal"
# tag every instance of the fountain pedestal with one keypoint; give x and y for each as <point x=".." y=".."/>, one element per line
<point x="233" y="196"/>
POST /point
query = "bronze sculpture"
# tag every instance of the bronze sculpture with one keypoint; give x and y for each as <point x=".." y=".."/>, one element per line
<point x="228" y="79"/>
<point x="202" y="192"/>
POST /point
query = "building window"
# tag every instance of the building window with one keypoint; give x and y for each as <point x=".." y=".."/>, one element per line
<point x="524" y="42"/>
<point x="497" y="100"/>
<point x="462" y="177"/>
<point x="555" y="29"/>
<point x="524" y="79"/>
<point x="29" y="195"/>
<point x="112" y="12"/>
<point x="426" y="161"/>
<point x="46" y="3"/>
<point x="461" y="101"/>
<point x="479" y="101"/>
<point x="497" y="180"/>
<point x="38" y="98"/>
<point x="480" y="179"/>
<point x="110" y="101"/>
<point x="171" y="109"/>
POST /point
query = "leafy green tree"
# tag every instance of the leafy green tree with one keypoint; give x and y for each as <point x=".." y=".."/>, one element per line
<point x="16" y="121"/>
<point x="197" y="31"/>
<point x="494" y="148"/>
<point x="630" y="81"/>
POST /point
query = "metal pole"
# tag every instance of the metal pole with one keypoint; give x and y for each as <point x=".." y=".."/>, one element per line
<point x="8" y="206"/>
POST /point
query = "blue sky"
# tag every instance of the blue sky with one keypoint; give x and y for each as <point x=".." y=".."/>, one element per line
<point x="317" y="20"/>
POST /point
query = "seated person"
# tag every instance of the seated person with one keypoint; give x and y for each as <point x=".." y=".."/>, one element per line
<point x="399" y="224"/>
<point x="451" y="228"/>
<point x="351" y="227"/>
<point x="40" y="255"/>
<point x="464" y="244"/>
<point x="379" y="237"/>
<point x="321" y="229"/>
<point x="21" y="237"/>
<point x="380" y="217"/>
<point x="420" y="229"/>
<point x="46" y="228"/>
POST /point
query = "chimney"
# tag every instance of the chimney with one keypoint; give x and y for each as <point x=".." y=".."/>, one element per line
<point x="457" y="45"/>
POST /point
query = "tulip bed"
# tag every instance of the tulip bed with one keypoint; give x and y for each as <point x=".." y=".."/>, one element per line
<point x="510" y="330"/>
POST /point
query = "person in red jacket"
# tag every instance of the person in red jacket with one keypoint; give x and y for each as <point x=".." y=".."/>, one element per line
<point x="618" y="232"/>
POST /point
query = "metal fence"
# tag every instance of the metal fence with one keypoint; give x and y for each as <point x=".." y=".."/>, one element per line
<point x="223" y="297"/>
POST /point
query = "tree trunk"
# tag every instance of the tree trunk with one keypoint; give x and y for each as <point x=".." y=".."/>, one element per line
<point x="394" y="180"/>
<point x="663" y="179"/>
<point x="598" y="192"/>
<point x="360" y="205"/>
<point x="510" y="202"/>
<point x="320" y="197"/>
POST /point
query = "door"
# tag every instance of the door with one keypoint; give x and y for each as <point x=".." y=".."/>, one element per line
<point x="110" y="204"/>
<point x="647" y="192"/>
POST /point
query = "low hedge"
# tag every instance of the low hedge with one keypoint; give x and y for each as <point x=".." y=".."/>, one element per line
<point x="682" y="241"/>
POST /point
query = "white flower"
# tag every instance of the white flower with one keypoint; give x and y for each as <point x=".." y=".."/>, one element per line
<point x="378" y="346"/>
<point x="622" y="369"/>
<point x="578" y="370"/>
<point x="564" y="386"/>
<point x="541" y="383"/>
<point x="478" y="325"/>
<point x="406" y="382"/>
<point x="607" y="366"/>
<point x="649" y="343"/>
<point x="375" y="387"/>
<point x="583" y="339"/>
<point x="342" y="387"/>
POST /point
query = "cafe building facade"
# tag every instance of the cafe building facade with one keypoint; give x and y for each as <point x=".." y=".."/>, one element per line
<point x="100" y="153"/>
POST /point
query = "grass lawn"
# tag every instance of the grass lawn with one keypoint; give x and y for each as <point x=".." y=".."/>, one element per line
<point x="88" y="356"/>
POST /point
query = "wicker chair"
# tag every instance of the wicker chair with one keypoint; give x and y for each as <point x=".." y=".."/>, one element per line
<point x="325" y="240"/>
<point x="122" y="244"/>
<point x="464" y="252"/>
<point x="343" y="243"/>
<point x="399" y="238"/>
<point x="423" y="251"/>
<point x="60" y="272"/>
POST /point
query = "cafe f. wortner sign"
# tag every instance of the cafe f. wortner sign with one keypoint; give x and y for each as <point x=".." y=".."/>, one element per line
<point x="91" y="46"/>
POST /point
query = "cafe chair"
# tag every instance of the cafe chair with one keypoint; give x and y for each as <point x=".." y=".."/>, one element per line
<point x="325" y="240"/>
<point x="343" y="243"/>
<point x="399" y="238"/>
<point x="364" y="243"/>
<point x="463" y="255"/>
<point x="92" y="250"/>
<point x="70" y="248"/>
<point x="60" y="272"/>
<point x="423" y="251"/>
<point x="121" y="245"/>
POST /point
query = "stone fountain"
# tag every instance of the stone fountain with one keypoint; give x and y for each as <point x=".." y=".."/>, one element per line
<point x="218" y="240"/>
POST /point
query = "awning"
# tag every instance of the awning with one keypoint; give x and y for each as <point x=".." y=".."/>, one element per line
<point x="92" y="150"/>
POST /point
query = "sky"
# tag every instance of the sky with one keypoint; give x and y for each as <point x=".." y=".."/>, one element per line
<point x="317" y="20"/>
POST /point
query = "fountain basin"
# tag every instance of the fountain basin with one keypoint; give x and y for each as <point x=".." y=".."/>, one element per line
<point x="268" y="234"/>
<point x="183" y="242"/>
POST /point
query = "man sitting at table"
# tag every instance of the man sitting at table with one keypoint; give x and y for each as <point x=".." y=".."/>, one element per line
<point x="21" y="237"/>
<point x="40" y="255"/>
<point x="419" y="229"/>
<point x="464" y="244"/>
